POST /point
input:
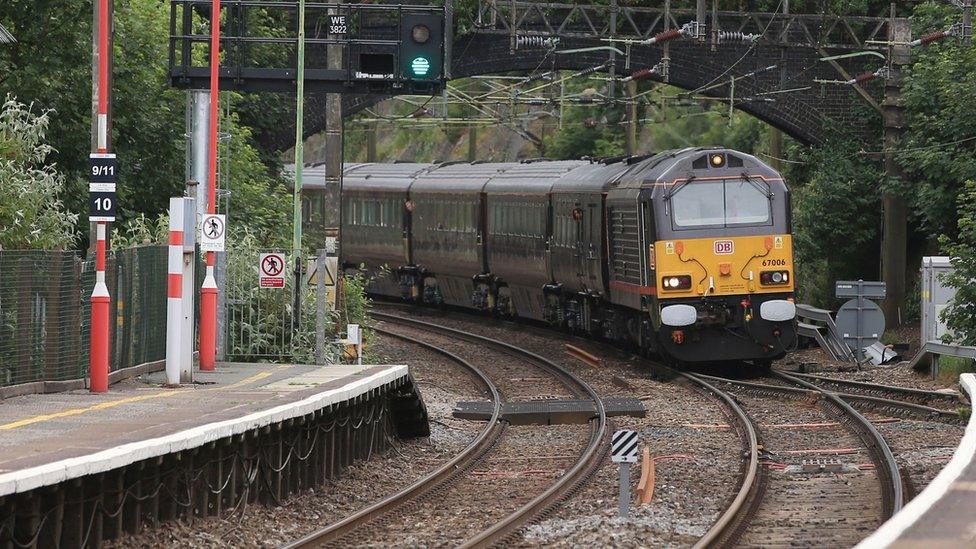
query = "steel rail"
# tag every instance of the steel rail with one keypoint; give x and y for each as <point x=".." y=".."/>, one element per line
<point x="892" y="490"/>
<point x="889" y="406"/>
<point x="486" y="438"/>
<point x="585" y="466"/>
<point x="907" y="392"/>
<point x="725" y="531"/>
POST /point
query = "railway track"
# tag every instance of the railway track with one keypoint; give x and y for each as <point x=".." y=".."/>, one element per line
<point x="730" y="524"/>
<point x="891" y="392"/>
<point x="867" y="402"/>
<point x="494" y="443"/>
<point x="806" y="475"/>
<point x="766" y="499"/>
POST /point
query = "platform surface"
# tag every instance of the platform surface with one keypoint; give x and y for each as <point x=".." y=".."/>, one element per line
<point x="50" y="437"/>
<point x="943" y="515"/>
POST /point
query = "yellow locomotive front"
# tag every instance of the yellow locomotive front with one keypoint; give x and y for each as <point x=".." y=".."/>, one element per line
<point x="721" y="258"/>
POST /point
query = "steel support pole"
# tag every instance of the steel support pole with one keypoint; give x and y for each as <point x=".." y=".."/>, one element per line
<point x="208" y="291"/>
<point x="99" y="336"/>
<point x="299" y="168"/>
<point x="198" y="131"/>
<point x="624" y="502"/>
<point x="632" y="117"/>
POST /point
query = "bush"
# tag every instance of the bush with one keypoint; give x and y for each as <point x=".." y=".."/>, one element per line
<point x="32" y="215"/>
<point x="960" y="315"/>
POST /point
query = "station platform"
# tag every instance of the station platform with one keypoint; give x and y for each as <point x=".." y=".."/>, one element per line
<point x="943" y="515"/>
<point x="49" y="438"/>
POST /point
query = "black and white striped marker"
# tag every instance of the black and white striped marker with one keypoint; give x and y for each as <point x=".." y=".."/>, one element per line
<point x="623" y="446"/>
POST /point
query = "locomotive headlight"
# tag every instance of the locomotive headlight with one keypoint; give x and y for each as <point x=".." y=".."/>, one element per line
<point x="717" y="160"/>
<point x="679" y="282"/>
<point x="774" y="278"/>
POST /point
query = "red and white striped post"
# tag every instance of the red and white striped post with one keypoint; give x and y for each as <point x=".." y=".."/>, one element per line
<point x="99" y="342"/>
<point x="208" y="291"/>
<point x="174" y="293"/>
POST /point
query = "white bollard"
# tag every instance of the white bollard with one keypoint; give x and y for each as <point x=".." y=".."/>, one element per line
<point x="174" y="294"/>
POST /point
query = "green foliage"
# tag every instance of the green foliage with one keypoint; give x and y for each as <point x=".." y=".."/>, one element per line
<point x="258" y="199"/>
<point x="142" y="230"/>
<point x="960" y="315"/>
<point x="50" y="66"/>
<point x="32" y="215"/>
<point x="940" y="101"/>
<point x="836" y="219"/>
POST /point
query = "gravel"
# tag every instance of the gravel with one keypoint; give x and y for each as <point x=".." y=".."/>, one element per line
<point x="697" y="458"/>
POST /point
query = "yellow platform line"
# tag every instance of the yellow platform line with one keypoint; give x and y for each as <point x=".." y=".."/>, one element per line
<point x="119" y="402"/>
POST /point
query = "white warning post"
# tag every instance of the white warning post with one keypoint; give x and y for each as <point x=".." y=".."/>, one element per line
<point x="624" y="446"/>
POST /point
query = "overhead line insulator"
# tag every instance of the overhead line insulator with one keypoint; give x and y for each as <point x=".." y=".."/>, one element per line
<point x="536" y="40"/>
<point x="737" y="36"/>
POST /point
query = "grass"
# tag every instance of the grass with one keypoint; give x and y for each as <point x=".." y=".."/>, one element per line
<point x="951" y="367"/>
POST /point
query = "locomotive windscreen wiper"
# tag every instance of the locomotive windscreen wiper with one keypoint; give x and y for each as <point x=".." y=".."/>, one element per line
<point x="675" y="188"/>
<point x="759" y="186"/>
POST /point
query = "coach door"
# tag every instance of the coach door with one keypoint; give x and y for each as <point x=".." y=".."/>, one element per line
<point x="592" y="260"/>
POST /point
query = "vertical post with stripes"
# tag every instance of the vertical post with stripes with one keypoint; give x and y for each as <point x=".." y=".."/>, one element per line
<point x="99" y="342"/>
<point x="624" y="446"/>
<point x="174" y="294"/>
<point x="208" y="291"/>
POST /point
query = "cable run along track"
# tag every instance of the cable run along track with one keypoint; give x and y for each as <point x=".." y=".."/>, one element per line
<point x="479" y="450"/>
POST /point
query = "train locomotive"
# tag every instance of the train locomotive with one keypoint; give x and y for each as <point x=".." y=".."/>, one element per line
<point x="686" y="254"/>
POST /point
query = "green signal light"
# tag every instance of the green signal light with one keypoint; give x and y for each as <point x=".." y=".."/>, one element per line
<point x="420" y="66"/>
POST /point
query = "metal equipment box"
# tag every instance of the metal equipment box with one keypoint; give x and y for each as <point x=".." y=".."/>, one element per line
<point x="935" y="296"/>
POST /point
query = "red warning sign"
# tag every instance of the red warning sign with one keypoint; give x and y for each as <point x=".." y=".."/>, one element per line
<point x="272" y="269"/>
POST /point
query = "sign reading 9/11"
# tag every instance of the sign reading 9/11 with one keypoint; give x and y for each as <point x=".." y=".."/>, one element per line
<point x="102" y="200"/>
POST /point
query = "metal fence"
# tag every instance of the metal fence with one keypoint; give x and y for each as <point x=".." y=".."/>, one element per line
<point x="45" y="312"/>
<point x="259" y="320"/>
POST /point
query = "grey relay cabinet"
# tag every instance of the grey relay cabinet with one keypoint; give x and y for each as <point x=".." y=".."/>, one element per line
<point x="935" y="297"/>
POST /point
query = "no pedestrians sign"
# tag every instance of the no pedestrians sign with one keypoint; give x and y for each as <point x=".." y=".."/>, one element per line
<point x="213" y="233"/>
<point x="272" y="270"/>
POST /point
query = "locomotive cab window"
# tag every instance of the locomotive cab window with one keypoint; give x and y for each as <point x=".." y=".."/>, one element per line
<point x="725" y="203"/>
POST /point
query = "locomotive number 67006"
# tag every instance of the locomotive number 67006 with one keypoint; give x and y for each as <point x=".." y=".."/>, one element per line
<point x="669" y="253"/>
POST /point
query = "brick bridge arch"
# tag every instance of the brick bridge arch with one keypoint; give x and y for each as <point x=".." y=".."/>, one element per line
<point x="787" y="97"/>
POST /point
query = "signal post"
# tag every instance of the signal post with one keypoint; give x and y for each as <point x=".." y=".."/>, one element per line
<point x="102" y="203"/>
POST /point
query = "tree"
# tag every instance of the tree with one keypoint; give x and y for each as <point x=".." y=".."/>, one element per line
<point x="32" y="214"/>
<point x="960" y="315"/>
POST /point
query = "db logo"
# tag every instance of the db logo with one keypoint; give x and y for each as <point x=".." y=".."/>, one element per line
<point x="724" y="247"/>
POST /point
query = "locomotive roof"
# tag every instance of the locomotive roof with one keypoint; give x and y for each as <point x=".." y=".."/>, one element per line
<point x="681" y="164"/>
<point x="592" y="177"/>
